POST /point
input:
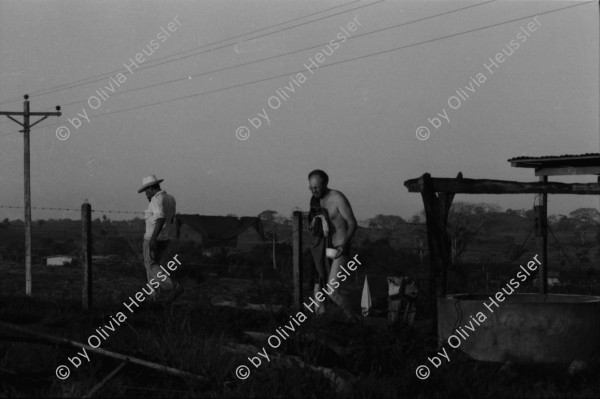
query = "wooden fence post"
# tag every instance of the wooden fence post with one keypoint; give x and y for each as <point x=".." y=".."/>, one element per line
<point x="297" y="258"/>
<point x="274" y="254"/>
<point x="86" y="255"/>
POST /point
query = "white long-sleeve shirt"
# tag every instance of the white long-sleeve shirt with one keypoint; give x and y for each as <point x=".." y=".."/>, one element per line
<point x="162" y="205"/>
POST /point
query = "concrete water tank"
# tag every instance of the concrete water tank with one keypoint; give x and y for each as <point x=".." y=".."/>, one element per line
<point x="524" y="328"/>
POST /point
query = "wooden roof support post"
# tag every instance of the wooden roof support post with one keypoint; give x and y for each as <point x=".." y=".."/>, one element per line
<point x="543" y="220"/>
<point x="437" y="209"/>
<point x="431" y="217"/>
<point x="445" y="203"/>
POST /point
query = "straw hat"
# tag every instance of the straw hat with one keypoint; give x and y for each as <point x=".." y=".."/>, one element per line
<point x="149" y="181"/>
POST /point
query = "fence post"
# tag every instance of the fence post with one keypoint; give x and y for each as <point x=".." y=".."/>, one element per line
<point x="297" y="258"/>
<point x="274" y="258"/>
<point x="86" y="254"/>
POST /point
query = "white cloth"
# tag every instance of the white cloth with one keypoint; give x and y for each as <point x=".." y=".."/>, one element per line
<point x="394" y="284"/>
<point x="325" y="224"/>
<point x="162" y="205"/>
<point x="365" y="302"/>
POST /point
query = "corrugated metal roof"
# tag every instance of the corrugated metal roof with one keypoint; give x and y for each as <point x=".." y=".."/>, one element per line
<point x="567" y="160"/>
<point x="590" y="154"/>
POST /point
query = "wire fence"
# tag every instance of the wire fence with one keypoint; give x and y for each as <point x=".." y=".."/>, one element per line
<point x="273" y="262"/>
<point x="275" y="241"/>
<point x="42" y="208"/>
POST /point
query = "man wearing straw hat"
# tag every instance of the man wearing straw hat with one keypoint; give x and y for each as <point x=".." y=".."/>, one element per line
<point x="160" y="237"/>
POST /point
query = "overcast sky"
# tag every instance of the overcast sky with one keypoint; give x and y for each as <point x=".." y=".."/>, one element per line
<point x="357" y="120"/>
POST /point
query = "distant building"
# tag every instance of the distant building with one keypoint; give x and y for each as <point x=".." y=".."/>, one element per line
<point x="187" y="233"/>
<point x="220" y="231"/>
<point x="58" y="260"/>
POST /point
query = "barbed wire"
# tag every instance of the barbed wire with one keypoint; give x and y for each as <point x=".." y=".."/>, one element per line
<point x="268" y="239"/>
<point x="40" y="208"/>
<point x="71" y="210"/>
<point x="113" y="211"/>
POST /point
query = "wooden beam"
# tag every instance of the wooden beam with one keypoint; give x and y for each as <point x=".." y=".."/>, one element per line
<point x="568" y="170"/>
<point x="485" y="186"/>
<point x="104" y="352"/>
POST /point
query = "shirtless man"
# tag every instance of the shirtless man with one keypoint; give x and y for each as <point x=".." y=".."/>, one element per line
<point x="342" y="226"/>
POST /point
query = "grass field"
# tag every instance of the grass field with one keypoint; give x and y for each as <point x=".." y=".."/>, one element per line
<point x="323" y="357"/>
<point x="194" y="335"/>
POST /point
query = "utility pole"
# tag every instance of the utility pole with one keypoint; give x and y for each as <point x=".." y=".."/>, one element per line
<point x="26" y="128"/>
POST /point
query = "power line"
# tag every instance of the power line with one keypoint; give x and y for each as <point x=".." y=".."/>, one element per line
<point x="325" y="66"/>
<point x="151" y="65"/>
<point x="154" y="63"/>
<point x="333" y="63"/>
<point x="285" y="54"/>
